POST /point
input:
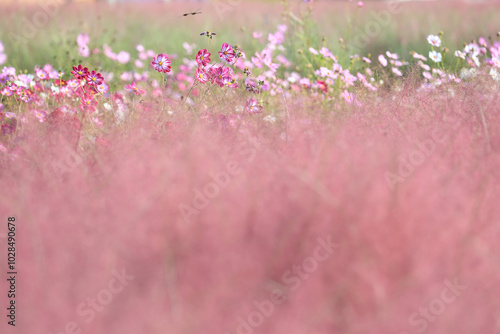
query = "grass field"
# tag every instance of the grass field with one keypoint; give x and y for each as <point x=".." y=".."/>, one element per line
<point x="311" y="168"/>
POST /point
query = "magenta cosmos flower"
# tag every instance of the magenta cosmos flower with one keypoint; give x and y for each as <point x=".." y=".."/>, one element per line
<point x="219" y="75"/>
<point x="203" y="57"/>
<point x="94" y="78"/>
<point x="133" y="87"/>
<point x="202" y="75"/>
<point x="226" y="53"/>
<point x="80" y="72"/>
<point x="161" y="63"/>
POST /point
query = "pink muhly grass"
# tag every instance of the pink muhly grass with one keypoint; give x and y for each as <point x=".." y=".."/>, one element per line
<point x="112" y="203"/>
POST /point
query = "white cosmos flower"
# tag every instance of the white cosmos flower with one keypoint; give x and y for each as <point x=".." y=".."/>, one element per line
<point x="496" y="61"/>
<point x="494" y="74"/>
<point x="460" y="54"/>
<point x="270" y="119"/>
<point x="476" y="60"/>
<point x="436" y="56"/>
<point x="434" y="40"/>
<point x="472" y="49"/>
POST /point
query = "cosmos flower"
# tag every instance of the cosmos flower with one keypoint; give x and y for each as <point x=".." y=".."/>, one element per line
<point x="253" y="106"/>
<point x="41" y="74"/>
<point x="435" y="56"/>
<point x="133" y="87"/>
<point x="348" y="97"/>
<point x="88" y="103"/>
<point x="203" y="57"/>
<point x="219" y="75"/>
<point x="494" y="74"/>
<point x="434" y="40"/>
<point x="475" y="59"/>
<point x="460" y="54"/>
<point x="202" y="75"/>
<point x="471" y="49"/>
<point x="427" y="75"/>
<point x="94" y="78"/>
<point x="313" y="51"/>
<point x="227" y="53"/>
<point x="419" y="56"/>
<point x="161" y="63"/>
<point x="392" y="55"/>
<point x="322" y="86"/>
<point x="84" y="51"/>
<point x="397" y="72"/>
<point x="82" y="40"/>
<point x="496" y="61"/>
<point x="382" y="60"/>
<point x="123" y="57"/>
<point x="80" y="72"/>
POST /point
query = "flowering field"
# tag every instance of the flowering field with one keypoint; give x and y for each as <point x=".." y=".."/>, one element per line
<point x="169" y="169"/>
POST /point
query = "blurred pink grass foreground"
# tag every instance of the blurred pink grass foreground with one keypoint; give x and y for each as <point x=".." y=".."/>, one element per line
<point x="398" y="249"/>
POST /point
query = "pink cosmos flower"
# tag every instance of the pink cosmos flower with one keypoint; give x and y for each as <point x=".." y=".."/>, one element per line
<point x="382" y="60"/>
<point x="256" y="34"/>
<point x="82" y="40"/>
<point x="322" y="86"/>
<point x="313" y="51"/>
<point x="135" y="89"/>
<point x="161" y="63"/>
<point x="257" y="60"/>
<point x="348" y="97"/>
<point x="227" y="53"/>
<point x="496" y="61"/>
<point x="305" y="82"/>
<point x="88" y="103"/>
<point x="40" y="114"/>
<point x="276" y="38"/>
<point x="419" y="56"/>
<point x="202" y="75"/>
<point x="41" y="74"/>
<point x="253" y="106"/>
<point x="103" y="88"/>
<point x="123" y="57"/>
<point x="396" y="71"/>
<point x="6" y="91"/>
<point x="80" y="72"/>
<point x="94" y="78"/>
<point x="138" y="63"/>
<point x="392" y="55"/>
<point x="203" y="57"/>
<point x="219" y="75"/>
<point x="84" y="51"/>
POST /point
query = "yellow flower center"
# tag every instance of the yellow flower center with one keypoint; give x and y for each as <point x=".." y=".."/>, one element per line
<point x="202" y="58"/>
<point x="160" y="63"/>
<point x="225" y="52"/>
